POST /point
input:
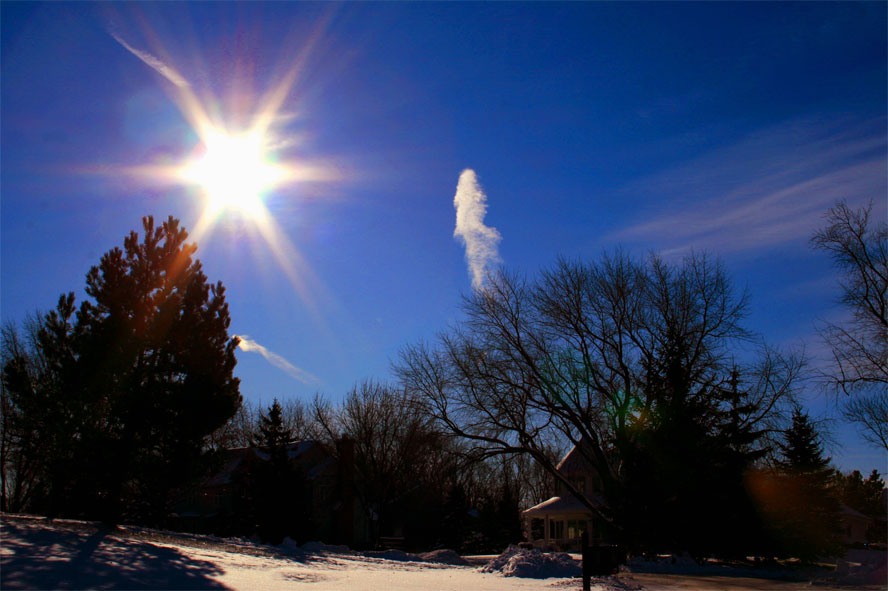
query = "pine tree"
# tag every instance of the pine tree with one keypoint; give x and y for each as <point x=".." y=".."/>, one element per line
<point x="852" y="490"/>
<point x="273" y="435"/>
<point x="281" y="488"/>
<point x="130" y="387"/>
<point x="864" y="496"/>
<point x="801" y="450"/>
<point x="805" y="516"/>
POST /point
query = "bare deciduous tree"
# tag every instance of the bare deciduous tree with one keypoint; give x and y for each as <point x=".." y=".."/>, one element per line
<point x="20" y="475"/>
<point x="395" y="444"/>
<point x="298" y="420"/>
<point x="238" y="431"/>
<point x="598" y="355"/>
<point x="858" y="246"/>
<point x="242" y="428"/>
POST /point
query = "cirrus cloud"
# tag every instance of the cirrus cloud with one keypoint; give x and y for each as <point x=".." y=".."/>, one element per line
<point x="768" y="189"/>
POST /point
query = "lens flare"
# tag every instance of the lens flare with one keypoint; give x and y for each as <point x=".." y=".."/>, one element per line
<point x="235" y="165"/>
<point x="234" y="173"/>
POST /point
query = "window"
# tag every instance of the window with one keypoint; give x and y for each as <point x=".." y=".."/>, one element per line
<point x="573" y="529"/>
<point x="556" y="529"/>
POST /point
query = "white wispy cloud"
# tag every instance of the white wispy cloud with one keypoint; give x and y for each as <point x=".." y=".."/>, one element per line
<point x="249" y="345"/>
<point x="149" y="60"/>
<point x="481" y="241"/>
<point x="768" y="189"/>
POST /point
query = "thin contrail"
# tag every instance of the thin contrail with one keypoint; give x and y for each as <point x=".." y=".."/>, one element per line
<point x="276" y="360"/>
<point x="161" y="68"/>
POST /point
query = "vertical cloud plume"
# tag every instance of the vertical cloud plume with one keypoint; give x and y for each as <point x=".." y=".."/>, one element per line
<point x="481" y="241"/>
<point x="246" y="344"/>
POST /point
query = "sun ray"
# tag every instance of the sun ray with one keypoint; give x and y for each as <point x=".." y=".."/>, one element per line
<point x="274" y="99"/>
<point x="234" y="168"/>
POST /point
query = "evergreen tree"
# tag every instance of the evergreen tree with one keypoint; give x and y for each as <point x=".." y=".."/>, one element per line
<point x="273" y="436"/>
<point x="874" y="493"/>
<point x="801" y="448"/>
<point x="805" y="514"/>
<point x="125" y="392"/>
<point x="454" y="523"/>
<point x="874" y="487"/>
<point x="866" y="497"/>
<point x="685" y="462"/>
<point x="281" y="487"/>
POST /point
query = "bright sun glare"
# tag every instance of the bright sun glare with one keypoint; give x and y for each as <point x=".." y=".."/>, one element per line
<point x="236" y="170"/>
<point x="234" y="173"/>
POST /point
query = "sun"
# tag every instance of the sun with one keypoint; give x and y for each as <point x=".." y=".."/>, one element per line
<point x="234" y="173"/>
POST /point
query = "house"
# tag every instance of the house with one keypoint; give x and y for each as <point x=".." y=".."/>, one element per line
<point x="221" y="504"/>
<point x="855" y="525"/>
<point x="560" y="521"/>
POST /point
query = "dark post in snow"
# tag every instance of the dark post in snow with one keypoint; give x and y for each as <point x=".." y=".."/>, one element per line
<point x="587" y="562"/>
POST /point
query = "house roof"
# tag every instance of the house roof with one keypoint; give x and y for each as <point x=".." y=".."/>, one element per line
<point x="574" y="461"/>
<point x="235" y="458"/>
<point x="568" y="504"/>
<point x="294" y="449"/>
<point x="850" y="511"/>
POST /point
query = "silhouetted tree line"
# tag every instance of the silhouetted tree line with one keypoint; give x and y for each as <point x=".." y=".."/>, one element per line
<point x="865" y="496"/>
<point x="646" y="367"/>
<point x="641" y="365"/>
<point x="412" y="480"/>
<point x="801" y="496"/>
<point x="112" y="409"/>
<point x="796" y="497"/>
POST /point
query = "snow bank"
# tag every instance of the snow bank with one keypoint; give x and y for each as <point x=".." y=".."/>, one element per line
<point x="448" y="557"/>
<point x="290" y="547"/>
<point x="393" y="554"/>
<point x="849" y="574"/>
<point x="444" y="556"/>
<point x="533" y="564"/>
<point x="322" y="548"/>
<point x="497" y="563"/>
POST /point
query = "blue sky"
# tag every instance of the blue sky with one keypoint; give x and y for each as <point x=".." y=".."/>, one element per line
<point x="721" y="126"/>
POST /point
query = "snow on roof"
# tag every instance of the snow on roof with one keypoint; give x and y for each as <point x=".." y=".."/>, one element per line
<point x="299" y="448"/>
<point x="294" y="449"/>
<point x="575" y="461"/>
<point x="236" y="456"/>
<point x="568" y="504"/>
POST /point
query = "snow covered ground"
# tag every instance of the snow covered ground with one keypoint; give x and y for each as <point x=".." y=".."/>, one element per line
<point x="37" y="554"/>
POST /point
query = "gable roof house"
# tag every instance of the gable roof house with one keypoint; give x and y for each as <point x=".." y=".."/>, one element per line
<point x="220" y="504"/>
<point x="559" y="522"/>
<point x="855" y="525"/>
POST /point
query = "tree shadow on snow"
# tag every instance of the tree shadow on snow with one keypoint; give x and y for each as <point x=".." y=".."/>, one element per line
<point x="39" y="557"/>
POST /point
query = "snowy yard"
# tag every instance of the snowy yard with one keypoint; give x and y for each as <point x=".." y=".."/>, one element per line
<point x="70" y="555"/>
